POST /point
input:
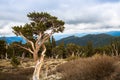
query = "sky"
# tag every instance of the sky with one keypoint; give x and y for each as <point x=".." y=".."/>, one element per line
<point x="80" y="16"/>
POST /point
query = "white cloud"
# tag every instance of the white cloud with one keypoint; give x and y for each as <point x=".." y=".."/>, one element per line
<point x="79" y="15"/>
<point x="6" y="30"/>
<point x="100" y="17"/>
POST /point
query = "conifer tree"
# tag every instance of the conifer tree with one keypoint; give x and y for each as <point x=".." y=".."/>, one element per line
<point x="36" y="33"/>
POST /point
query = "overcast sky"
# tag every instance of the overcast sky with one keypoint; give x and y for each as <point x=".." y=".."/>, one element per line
<point x="80" y="16"/>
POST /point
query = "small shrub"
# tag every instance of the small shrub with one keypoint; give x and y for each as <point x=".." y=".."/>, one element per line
<point x="15" y="62"/>
<point x="72" y="58"/>
<point x="94" y="68"/>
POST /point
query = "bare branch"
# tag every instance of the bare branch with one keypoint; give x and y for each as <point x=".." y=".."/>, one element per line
<point x="28" y="49"/>
<point x="32" y="44"/>
<point x="38" y="39"/>
<point x="39" y="43"/>
<point x="44" y="50"/>
<point x="48" y="36"/>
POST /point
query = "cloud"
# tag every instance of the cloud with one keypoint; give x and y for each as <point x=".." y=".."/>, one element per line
<point x="6" y="28"/>
<point x="79" y="15"/>
<point x="96" y="18"/>
<point x="89" y="28"/>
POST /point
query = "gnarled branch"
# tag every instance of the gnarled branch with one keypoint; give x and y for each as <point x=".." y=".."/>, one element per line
<point x="28" y="49"/>
<point x="29" y="41"/>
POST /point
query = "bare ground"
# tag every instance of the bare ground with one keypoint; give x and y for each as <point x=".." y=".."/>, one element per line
<point x="25" y="71"/>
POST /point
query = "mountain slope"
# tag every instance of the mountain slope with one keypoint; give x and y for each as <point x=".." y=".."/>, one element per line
<point x="9" y="40"/>
<point x="114" y="33"/>
<point x="97" y="40"/>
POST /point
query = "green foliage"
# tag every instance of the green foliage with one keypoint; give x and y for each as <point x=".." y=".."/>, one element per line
<point x="98" y="40"/>
<point x="59" y="51"/>
<point x="72" y="49"/>
<point x="14" y="50"/>
<point x="89" y="49"/>
<point x="40" y="23"/>
<point x="53" y="42"/>
<point x="2" y="48"/>
<point x="49" y="48"/>
<point x="50" y="45"/>
<point x="115" y="47"/>
<point x="39" y="30"/>
<point x="68" y="51"/>
<point x="14" y="61"/>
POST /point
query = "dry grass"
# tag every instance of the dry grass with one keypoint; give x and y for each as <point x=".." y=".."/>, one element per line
<point x="8" y="72"/>
<point x="19" y="74"/>
<point x="94" y="68"/>
<point x="5" y="63"/>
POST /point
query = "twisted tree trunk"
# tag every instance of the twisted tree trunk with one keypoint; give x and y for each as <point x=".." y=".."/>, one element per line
<point x="39" y="64"/>
<point x="6" y="56"/>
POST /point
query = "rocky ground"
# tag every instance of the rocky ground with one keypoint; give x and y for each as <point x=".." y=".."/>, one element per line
<point x="86" y="66"/>
<point x="25" y="71"/>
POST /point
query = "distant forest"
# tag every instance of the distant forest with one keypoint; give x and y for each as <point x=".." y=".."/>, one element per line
<point x="85" y="46"/>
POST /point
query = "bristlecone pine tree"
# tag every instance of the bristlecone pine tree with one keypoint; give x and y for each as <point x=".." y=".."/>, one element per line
<point x="36" y="33"/>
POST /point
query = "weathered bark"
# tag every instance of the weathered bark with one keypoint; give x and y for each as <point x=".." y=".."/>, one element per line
<point x="37" y="68"/>
<point x="23" y="55"/>
<point x="112" y="53"/>
<point x="73" y="54"/>
<point x="115" y="48"/>
<point x="34" y="50"/>
<point x="35" y="56"/>
<point x="6" y="56"/>
<point x="39" y="64"/>
<point x="56" y="57"/>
